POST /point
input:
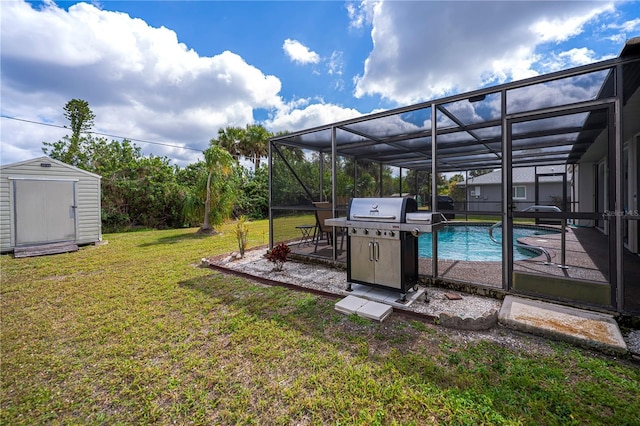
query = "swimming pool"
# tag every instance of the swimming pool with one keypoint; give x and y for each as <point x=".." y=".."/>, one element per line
<point x="472" y="242"/>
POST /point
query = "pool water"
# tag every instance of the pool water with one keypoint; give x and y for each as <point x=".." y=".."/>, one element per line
<point x="461" y="242"/>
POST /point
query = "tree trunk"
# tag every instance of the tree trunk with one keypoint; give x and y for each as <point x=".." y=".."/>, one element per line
<point x="206" y="225"/>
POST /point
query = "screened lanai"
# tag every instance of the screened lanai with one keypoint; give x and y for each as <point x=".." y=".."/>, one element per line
<point x="546" y="176"/>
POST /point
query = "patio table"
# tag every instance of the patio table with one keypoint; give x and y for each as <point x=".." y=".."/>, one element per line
<point x="305" y="230"/>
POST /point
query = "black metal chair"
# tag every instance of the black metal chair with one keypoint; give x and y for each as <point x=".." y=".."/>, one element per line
<point x="324" y="211"/>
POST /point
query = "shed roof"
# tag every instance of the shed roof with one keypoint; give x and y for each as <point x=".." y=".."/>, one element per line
<point x="46" y="159"/>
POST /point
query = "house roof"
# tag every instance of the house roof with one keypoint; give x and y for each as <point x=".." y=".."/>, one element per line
<point x="519" y="175"/>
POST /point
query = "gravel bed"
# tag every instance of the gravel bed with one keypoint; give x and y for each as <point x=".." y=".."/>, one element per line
<point x="331" y="280"/>
<point x="632" y="339"/>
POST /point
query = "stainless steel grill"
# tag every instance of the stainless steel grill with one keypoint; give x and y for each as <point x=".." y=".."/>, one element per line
<point x="382" y="242"/>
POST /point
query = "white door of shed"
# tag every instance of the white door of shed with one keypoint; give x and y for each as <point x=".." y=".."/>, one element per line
<point x="44" y="211"/>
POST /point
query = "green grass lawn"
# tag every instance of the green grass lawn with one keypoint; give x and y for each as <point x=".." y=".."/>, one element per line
<point x="134" y="332"/>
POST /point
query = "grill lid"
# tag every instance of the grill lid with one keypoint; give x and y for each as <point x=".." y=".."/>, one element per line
<point x="381" y="209"/>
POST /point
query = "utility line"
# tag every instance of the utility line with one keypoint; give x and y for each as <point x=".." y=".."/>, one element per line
<point x="103" y="134"/>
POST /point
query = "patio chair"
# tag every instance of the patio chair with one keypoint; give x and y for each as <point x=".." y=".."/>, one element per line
<point x="325" y="231"/>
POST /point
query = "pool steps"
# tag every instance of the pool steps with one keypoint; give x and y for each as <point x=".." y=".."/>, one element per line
<point x="523" y="246"/>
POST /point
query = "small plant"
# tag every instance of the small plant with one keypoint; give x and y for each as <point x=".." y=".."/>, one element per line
<point x="242" y="233"/>
<point x="278" y="255"/>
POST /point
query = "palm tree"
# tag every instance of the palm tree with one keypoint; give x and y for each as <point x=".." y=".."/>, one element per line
<point x="219" y="164"/>
<point x="233" y="140"/>
<point x="257" y="141"/>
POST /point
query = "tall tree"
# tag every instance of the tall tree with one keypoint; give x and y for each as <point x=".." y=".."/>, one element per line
<point x="80" y="116"/>
<point x="455" y="191"/>
<point x="72" y="150"/>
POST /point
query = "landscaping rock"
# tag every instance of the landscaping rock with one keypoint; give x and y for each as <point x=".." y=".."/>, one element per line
<point x="483" y="322"/>
<point x="453" y="296"/>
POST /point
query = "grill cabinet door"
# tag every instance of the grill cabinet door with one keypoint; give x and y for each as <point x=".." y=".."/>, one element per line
<point x="362" y="268"/>
<point x="388" y="263"/>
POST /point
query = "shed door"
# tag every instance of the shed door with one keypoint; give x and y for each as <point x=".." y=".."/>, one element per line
<point x="44" y="211"/>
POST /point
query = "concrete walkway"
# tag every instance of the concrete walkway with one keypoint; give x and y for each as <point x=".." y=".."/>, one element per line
<point x="577" y="326"/>
<point x="584" y="328"/>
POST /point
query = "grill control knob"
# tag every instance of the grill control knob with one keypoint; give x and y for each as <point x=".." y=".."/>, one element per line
<point x="392" y="233"/>
<point x="354" y="231"/>
<point x="378" y="232"/>
<point x="365" y="231"/>
<point x="415" y="232"/>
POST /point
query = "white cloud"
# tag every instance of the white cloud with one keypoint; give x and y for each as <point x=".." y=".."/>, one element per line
<point x="360" y="14"/>
<point x="630" y="26"/>
<point x="617" y="38"/>
<point x="576" y="57"/>
<point x="624" y="29"/>
<point x="310" y="116"/>
<point x="335" y="67"/>
<point x="570" y="58"/>
<point x="139" y="80"/>
<point x="566" y="24"/>
<point x="299" y="53"/>
<point x="425" y="50"/>
<point x="335" y="64"/>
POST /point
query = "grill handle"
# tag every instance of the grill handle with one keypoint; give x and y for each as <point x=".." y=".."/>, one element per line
<point x="364" y="216"/>
<point x="371" y="250"/>
<point x="376" y="251"/>
<point x="420" y="219"/>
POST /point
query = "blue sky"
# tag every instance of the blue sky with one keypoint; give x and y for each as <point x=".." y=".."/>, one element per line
<point x="174" y="72"/>
<point x="257" y="30"/>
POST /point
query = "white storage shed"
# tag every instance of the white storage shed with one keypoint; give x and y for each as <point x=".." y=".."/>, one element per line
<point x="45" y="202"/>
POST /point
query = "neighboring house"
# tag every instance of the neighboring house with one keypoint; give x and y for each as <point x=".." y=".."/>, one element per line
<point x="45" y="201"/>
<point x="484" y="193"/>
